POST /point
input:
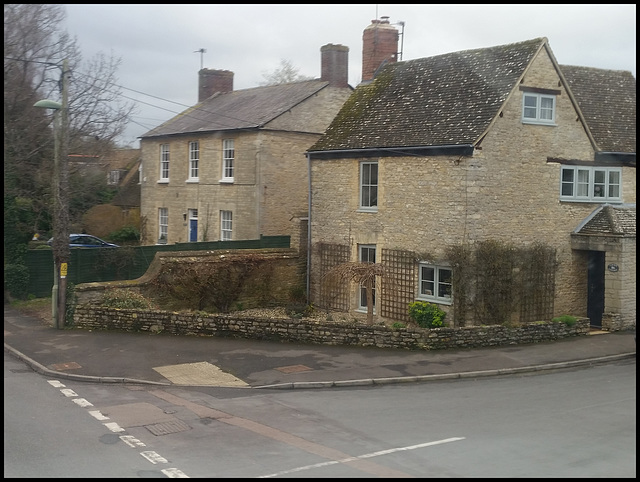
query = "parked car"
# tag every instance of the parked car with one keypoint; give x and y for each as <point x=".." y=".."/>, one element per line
<point x="86" y="241"/>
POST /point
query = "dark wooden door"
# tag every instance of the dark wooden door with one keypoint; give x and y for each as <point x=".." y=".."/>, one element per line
<point x="595" y="281"/>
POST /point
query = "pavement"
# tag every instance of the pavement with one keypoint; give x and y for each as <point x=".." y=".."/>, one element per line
<point x="162" y="359"/>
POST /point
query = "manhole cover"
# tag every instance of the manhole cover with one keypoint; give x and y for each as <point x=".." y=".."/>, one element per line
<point x="65" y="366"/>
<point x="294" y="369"/>
<point x="166" y="428"/>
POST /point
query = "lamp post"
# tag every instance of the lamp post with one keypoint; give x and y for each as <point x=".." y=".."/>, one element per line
<point x="60" y="190"/>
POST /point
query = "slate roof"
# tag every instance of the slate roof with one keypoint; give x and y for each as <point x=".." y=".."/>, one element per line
<point x="128" y="194"/>
<point x="444" y="100"/>
<point x="239" y="109"/>
<point x="610" y="219"/>
<point x="607" y="99"/>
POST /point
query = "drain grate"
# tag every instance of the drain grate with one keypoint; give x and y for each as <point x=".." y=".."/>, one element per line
<point x="294" y="369"/>
<point x="165" y="428"/>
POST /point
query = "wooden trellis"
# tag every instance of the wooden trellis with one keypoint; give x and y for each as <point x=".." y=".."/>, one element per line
<point x="334" y="296"/>
<point x="398" y="284"/>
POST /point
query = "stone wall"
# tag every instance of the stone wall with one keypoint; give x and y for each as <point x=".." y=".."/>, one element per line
<point x="286" y="329"/>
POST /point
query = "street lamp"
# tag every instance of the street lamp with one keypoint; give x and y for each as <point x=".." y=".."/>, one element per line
<point x="60" y="190"/>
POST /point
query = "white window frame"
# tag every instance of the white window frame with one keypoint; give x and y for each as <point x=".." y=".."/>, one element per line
<point x="369" y="182"/>
<point x="541" y="112"/>
<point x="228" y="160"/>
<point x="164" y="163"/>
<point x="437" y="287"/>
<point x="194" y="161"/>
<point x="163" y="224"/>
<point x="226" y="225"/>
<point x="365" y="253"/>
<point x="114" y="177"/>
<point x="591" y="184"/>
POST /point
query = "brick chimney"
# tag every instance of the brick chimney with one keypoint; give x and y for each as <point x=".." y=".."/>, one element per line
<point x="211" y="81"/>
<point x="379" y="44"/>
<point x="335" y="65"/>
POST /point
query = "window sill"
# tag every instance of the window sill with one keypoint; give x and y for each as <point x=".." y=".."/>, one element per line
<point x="364" y="311"/>
<point x="367" y="210"/>
<point x="539" y="123"/>
<point x="163" y="181"/>
<point x="226" y="181"/>
<point x="437" y="301"/>
<point x="194" y="180"/>
<point x="592" y="201"/>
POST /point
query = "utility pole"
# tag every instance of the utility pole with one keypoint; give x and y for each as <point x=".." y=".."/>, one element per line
<point x="61" y="238"/>
<point x="60" y="190"/>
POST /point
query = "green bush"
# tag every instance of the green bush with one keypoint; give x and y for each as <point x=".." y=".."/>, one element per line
<point x="16" y="280"/>
<point x="566" y="319"/>
<point x="426" y="315"/>
<point x="397" y="325"/>
<point x="123" y="298"/>
<point x="127" y="233"/>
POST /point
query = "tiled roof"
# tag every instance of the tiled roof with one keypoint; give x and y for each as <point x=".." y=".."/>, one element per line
<point x="128" y="194"/>
<point x="443" y="100"/>
<point x="239" y="109"/>
<point x="610" y="219"/>
<point x="607" y="99"/>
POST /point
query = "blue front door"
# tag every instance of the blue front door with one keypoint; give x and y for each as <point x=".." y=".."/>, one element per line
<point x="193" y="230"/>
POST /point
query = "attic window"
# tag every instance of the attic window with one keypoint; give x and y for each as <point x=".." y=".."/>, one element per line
<point x="115" y="176"/>
<point x="538" y="108"/>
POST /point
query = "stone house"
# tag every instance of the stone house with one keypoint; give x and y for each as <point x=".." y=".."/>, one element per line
<point x="233" y="166"/>
<point x="436" y="157"/>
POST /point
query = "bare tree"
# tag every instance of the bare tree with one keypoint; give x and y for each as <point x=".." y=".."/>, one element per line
<point x="35" y="46"/>
<point x="284" y="74"/>
<point x="362" y="273"/>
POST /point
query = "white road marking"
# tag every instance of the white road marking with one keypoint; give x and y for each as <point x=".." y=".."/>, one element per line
<point x="154" y="457"/>
<point x="131" y="441"/>
<point x="97" y="414"/>
<point x="365" y="456"/>
<point x="114" y="427"/>
<point x="175" y="474"/>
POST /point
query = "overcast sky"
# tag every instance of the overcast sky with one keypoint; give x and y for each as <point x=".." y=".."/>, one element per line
<point x="157" y="43"/>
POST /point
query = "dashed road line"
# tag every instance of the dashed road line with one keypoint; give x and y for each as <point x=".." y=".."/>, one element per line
<point x="129" y="440"/>
<point x="154" y="457"/>
<point x="97" y="414"/>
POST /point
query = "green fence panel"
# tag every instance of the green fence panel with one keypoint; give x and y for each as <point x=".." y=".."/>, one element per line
<point x="124" y="263"/>
<point x="40" y="265"/>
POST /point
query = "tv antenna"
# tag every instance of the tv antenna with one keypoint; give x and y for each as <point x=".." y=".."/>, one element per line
<point x="202" y="52"/>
